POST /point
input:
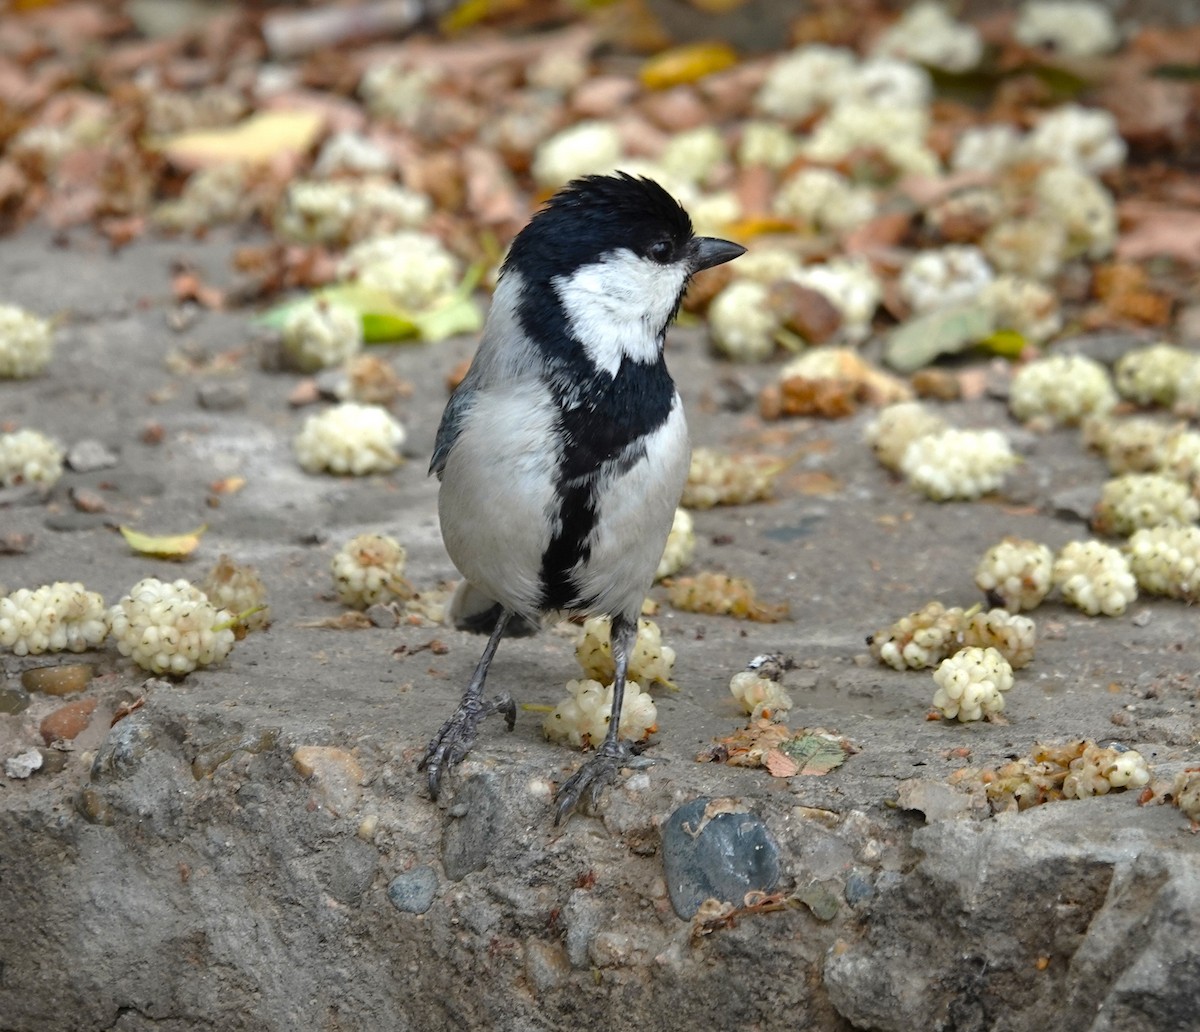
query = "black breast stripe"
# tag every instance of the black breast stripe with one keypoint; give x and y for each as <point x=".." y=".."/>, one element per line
<point x="602" y="436"/>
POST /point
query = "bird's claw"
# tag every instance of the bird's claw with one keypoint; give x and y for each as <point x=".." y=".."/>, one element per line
<point x="587" y="784"/>
<point x="455" y="738"/>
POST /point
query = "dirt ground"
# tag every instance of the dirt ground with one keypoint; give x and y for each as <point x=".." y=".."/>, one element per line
<point x="178" y="872"/>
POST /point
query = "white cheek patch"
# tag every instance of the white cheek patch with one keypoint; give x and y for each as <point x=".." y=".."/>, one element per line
<point x="619" y="307"/>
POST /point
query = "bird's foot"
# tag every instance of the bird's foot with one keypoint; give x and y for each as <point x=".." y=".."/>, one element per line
<point x="587" y="784"/>
<point x="452" y="743"/>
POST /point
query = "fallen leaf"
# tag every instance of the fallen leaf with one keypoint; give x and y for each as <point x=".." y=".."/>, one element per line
<point x="805" y="311"/>
<point x="384" y="321"/>
<point x="815" y="483"/>
<point x="780" y="765"/>
<point x="167" y="546"/>
<point x="680" y="65"/>
<point x="258" y="139"/>
<point x="351" y="620"/>
<point x="946" y="331"/>
<point x="1156" y="230"/>
<point x="228" y="485"/>
<point x="814" y="752"/>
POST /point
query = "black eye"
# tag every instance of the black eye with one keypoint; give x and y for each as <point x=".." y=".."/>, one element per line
<point x="661" y="251"/>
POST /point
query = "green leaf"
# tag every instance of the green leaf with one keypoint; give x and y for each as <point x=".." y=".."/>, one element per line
<point x="946" y="331"/>
<point x="385" y="321"/>
<point x="816" y="754"/>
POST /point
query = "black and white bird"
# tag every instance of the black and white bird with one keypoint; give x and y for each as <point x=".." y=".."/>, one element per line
<point x="563" y="453"/>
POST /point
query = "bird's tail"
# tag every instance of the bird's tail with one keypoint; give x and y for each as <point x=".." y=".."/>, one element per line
<point x="472" y="610"/>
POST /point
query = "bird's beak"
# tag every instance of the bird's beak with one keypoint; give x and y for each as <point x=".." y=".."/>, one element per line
<point x="710" y="251"/>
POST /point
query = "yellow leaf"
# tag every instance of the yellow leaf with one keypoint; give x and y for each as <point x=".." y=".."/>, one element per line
<point x="687" y="63"/>
<point x="1005" y="343"/>
<point x="717" y="6"/>
<point x="167" y="546"/>
<point x="760" y="225"/>
<point x="258" y="139"/>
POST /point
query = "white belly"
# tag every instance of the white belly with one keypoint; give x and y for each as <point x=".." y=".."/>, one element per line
<point x="497" y="497"/>
<point x="499" y="509"/>
<point x="636" y="509"/>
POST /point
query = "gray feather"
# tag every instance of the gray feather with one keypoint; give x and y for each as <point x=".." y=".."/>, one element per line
<point x="451" y="426"/>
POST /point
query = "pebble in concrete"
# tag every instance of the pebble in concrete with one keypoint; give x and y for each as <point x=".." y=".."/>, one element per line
<point x="476" y="827"/>
<point x="413" y="891"/>
<point x="334" y="772"/>
<point x="723" y="857"/>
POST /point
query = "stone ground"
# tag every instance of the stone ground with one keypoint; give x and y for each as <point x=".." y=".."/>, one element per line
<point x="179" y="872"/>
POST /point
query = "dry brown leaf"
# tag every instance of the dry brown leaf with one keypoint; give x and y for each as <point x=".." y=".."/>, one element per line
<point x="1158" y="231"/>
<point x="814" y="483"/>
<point x="186" y="285"/>
<point x="780" y="764"/>
<point x="805" y="311"/>
<point x="351" y="620"/>
<point x="800" y="396"/>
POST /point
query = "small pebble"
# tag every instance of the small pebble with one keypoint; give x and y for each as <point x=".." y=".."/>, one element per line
<point x="859" y="888"/>
<point x="87" y="456"/>
<point x="334" y="771"/>
<point x="13" y="699"/>
<point x="222" y="395"/>
<point x="86" y="500"/>
<point x="20" y="767"/>
<point x="58" y="680"/>
<point x="413" y="891"/>
<point x="383" y="616"/>
<point x="67" y="722"/>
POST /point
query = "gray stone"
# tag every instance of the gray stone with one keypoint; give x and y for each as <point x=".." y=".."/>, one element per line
<point x="88" y="455"/>
<point x="1075" y="503"/>
<point x="72" y="521"/>
<point x="20" y="767"/>
<point x="582" y="916"/>
<point x="1103" y="347"/>
<point x="383" y="616"/>
<point x="348" y="868"/>
<point x="476" y="824"/>
<point x="123" y="750"/>
<point x="222" y="395"/>
<point x="13" y="699"/>
<point x="722" y="857"/>
<point x="859" y="888"/>
<point x="413" y="891"/>
<point x="1119" y="948"/>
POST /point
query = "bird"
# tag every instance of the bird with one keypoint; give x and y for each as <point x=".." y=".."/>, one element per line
<point x="563" y="453"/>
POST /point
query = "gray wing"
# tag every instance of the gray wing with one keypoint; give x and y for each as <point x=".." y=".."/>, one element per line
<point x="451" y="426"/>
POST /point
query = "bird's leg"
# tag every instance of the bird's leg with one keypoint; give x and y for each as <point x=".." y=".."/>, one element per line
<point x="457" y="735"/>
<point x="601" y="770"/>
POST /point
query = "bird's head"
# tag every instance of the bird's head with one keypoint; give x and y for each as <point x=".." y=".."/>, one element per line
<point x="610" y="257"/>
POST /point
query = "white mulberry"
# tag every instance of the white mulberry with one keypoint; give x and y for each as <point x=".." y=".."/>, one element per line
<point x="958" y="464"/>
<point x="170" y="628"/>
<point x="1018" y="572"/>
<point x="350" y="438"/>
<point x="367" y="569"/>
<point x="26" y="343"/>
<point x="63" y="616"/>
<point x="1095" y="578"/>
<point x="971" y="684"/>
